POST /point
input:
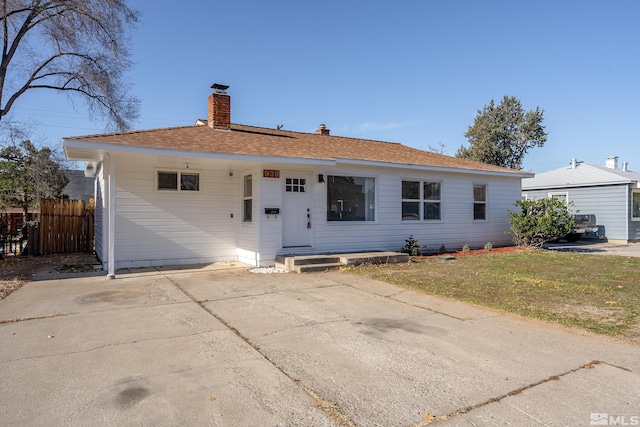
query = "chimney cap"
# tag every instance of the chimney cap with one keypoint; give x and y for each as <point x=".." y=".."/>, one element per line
<point x="219" y="87"/>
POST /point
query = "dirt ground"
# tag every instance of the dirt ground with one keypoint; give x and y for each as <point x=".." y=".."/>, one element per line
<point x="16" y="271"/>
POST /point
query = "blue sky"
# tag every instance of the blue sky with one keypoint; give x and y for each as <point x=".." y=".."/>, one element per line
<point x="414" y="72"/>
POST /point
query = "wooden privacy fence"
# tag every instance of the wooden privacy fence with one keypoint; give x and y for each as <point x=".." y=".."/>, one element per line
<point x="65" y="226"/>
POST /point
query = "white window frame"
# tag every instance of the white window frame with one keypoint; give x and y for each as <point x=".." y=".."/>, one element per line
<point x="634" y="218"/>
<point x="247" y="196"/>
<point x="485" y="202"/>
<point x="179" y="174"/>
<point x="552" y="195"/>
<point x="366" y="203"/>
<point x="421" y="201"/>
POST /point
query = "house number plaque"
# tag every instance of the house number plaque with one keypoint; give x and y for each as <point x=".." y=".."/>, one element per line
<point x="271" y="173"/>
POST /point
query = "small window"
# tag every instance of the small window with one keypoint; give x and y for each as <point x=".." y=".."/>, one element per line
<point x="562" y="197"/>
<point x="189" y="182"/>
<point x="421" y="198"/>
<point x="635" y="205"/>
<point x="169" y="181"/>
<point x="479" y="202"/>
<point x="247" y="199"/>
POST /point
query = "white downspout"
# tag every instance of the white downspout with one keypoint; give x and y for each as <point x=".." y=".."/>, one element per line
<point x="111" y="274"/>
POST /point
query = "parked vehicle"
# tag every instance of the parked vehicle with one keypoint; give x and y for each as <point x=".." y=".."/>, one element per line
<point x="584" y="223"/>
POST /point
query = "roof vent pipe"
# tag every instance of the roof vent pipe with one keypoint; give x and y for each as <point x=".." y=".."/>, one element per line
<point x="574" y="163"/>
<point x="625" y="165"/>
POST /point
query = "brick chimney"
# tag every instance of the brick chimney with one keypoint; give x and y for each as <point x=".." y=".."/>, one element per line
<point x="219" y="107"/>
<point x="322" y="130"/>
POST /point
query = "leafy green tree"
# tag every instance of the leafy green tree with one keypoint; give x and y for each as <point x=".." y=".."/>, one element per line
<point x="75" y="47"/>
<point x="29" y="174"/>
<point x="502" y="134"/>
<point x="539" y="221"/>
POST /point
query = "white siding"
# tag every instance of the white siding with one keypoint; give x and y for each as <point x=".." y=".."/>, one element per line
<point x="270" y="191"/>
<point x="456" y="228"/>
<point x="173" y="227"/>
<point x="606" y="202"/>
<point x="634" y="226"/>
<point x="248" y="248"/>
<point x="177" y="227"/>
<point x="100" y="218"/>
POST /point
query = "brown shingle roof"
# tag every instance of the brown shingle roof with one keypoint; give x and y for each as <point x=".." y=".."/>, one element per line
<point x="256" y="141"/>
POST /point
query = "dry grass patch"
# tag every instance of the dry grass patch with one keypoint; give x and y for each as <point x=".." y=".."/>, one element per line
<point x="593" y="292"/>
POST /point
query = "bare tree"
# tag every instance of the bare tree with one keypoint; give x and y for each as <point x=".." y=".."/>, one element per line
<point x="441" y="148"/>
<point x="73" y="46"/>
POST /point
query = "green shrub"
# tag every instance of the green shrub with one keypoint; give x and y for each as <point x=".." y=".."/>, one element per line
<point x="442" y="249"/>
<point x="411" y="247"/>
<point x="488" y="246"/>
<point x="539" y="221"/>
<point x="466" y="248"/>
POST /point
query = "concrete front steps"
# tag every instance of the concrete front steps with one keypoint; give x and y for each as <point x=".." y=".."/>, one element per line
<point x="311" y="263"/>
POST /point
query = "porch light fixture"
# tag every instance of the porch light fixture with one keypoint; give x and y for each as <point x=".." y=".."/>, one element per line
<point x="321" y="178"/>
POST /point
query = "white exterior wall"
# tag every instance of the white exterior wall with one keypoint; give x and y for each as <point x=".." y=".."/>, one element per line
<point x="632" y="224"/>
<point x="609" y="203"/>
<point x="99" y="217"/>
<point x="456" y="228"/>
<point x="248" y="244"/>
<point x="270" y="190"/>
<point x="173" y="227"/>
<point x="178" y="227"/>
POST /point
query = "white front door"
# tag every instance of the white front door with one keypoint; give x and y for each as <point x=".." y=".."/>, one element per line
<point x="296" y="211"/>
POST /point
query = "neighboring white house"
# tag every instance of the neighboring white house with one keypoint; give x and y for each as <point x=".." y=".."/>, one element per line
<point x="218" y="191"/>
<point x="611" y="194"/>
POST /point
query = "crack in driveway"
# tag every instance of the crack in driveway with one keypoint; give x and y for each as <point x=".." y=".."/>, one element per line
<point x="430" y="419"/>
<point x="331" y="409"/>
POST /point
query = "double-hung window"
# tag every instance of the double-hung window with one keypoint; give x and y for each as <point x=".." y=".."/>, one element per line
<point x="178" y="181"/>
<point x="479" y="202"/>
<point x="421" y="200"/>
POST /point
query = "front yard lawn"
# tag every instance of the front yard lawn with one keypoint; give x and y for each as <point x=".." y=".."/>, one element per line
<point x="594" y="292"/>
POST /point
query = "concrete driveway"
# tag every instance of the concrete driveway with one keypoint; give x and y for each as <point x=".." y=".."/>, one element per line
<point x="597" y="247"/>
<point x="220" y="346"/>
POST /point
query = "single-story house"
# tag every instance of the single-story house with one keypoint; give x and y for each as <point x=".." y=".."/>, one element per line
<point x="611" y="194"/>
<point x="219" y="191"/>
